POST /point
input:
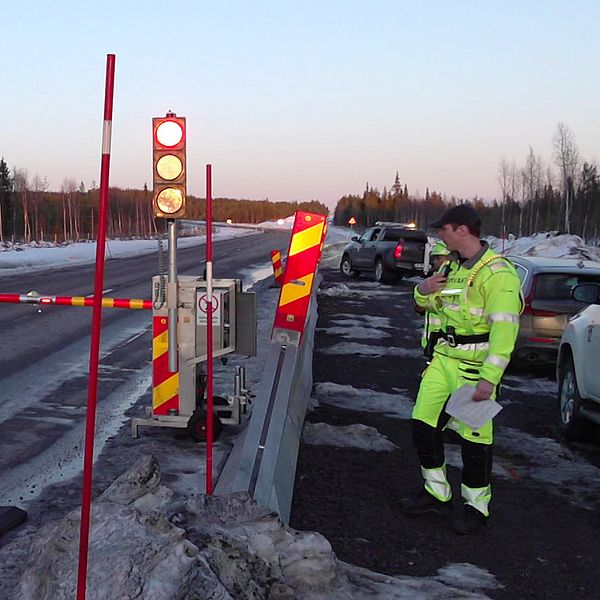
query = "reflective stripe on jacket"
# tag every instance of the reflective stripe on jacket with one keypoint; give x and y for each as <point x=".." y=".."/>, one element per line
<point x="481" y="295"/>
<point x="433" y="323"/>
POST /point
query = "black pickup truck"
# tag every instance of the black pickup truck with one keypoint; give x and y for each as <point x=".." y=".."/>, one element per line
<point x="389" y="250"/>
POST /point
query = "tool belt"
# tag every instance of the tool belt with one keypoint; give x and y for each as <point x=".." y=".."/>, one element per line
<point x="454" y="339"/>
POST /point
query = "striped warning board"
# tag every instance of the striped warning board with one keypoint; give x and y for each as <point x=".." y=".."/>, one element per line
<point x="277" y="266"/>
<point x="165" y="385"/>
<point x="306" y="246"/>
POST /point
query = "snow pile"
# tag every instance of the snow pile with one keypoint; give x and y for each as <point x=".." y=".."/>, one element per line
<point x="550" y="463"/>
<point x="544" y="460"/>
<point x="356" y="332"/>
<point x="342" y="290"/>
<point x="548" y="244"/>
<point x="344" y="319"/>
<point x="366" y="350"/>
<point x="135" y="550"/>
<point x="348" y="436"/>
<point x="398" y="405"/>
<point x="210" y="547"/>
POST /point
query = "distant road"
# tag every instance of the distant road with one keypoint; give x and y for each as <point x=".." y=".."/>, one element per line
<point x="44" y="356"/>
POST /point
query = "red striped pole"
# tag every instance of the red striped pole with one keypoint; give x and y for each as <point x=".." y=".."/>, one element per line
<point x="209" y="334"/>
<point x="88" y="459"/>
<point x="132" y="303"/>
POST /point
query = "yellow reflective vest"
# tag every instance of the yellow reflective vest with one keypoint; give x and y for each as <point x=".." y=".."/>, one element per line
<point x="478" y="311"/>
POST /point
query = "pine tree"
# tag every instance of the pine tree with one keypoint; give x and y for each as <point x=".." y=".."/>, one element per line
<point x="6" y="200"/>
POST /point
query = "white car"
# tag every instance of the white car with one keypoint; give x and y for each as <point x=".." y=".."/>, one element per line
<point x="578" y="365"/>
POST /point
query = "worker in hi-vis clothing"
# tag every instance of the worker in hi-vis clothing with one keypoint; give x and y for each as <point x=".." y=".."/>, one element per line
<point x="431" y="327"/>
<point x="478" y="303"/>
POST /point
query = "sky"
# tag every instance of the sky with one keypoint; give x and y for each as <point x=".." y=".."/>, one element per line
<point x="300" y="100"/>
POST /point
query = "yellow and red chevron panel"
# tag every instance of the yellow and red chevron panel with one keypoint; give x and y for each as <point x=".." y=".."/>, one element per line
<point x="306" y="246"/>
<point x="277" y="266"/>
<point x="165" y="385"/>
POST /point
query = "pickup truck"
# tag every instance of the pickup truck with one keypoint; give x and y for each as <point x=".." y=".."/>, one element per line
<point x="389" y="250"/>
<point x="577" y="366"/>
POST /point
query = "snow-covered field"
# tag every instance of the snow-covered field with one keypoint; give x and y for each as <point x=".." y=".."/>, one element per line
<point x="35" y="258"/>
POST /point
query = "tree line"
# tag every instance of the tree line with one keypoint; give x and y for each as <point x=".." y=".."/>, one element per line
<point x="30" y="212"/>
<point x="533" y="197"/>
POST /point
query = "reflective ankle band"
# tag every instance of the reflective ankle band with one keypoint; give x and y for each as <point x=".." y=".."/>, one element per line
<point x="436" y="483"/>
<point x="478" y="498"/>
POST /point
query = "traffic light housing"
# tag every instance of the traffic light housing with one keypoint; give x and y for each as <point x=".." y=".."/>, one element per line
<point x="169" y="199"/>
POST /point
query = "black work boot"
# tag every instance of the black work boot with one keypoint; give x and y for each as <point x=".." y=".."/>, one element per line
<point x="468" y="520"/>
<point x="423" y="502"/>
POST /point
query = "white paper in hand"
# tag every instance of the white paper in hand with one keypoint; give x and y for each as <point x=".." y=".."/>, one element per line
<point x="474" y="414"/>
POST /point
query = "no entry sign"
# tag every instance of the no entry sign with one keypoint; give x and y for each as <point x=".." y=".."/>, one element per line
<point x="202" y="303"/>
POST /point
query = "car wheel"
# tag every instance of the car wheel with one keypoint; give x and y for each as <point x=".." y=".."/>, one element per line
<point x="383" y="274"/>
<point x="571" y="423"/>
<point x="346" y="267"/>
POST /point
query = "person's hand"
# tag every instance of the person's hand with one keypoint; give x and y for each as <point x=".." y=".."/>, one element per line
<point x="432" y="284"/>
<point x="483" y="391"/>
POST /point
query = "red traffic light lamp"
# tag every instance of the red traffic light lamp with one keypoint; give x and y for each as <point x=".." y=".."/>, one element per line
<point x="169" y="200"/>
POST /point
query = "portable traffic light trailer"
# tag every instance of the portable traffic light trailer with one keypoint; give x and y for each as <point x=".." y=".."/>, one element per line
<point x="178" y="397"/>
<point x="181" y="307"/>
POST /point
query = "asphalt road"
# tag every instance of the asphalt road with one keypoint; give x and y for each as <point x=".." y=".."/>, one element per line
<point x="541" y="540"/>
<point x="44" y="359"/>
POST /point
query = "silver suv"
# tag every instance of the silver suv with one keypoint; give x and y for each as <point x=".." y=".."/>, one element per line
<point x="546" y="284"/>
<point x="578" y="365"/>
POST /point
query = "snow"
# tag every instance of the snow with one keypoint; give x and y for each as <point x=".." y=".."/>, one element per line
<point x="357" y="332"/>
<point x="345" y="396"/>
<point x="33" y="258"/>
<point x="342" y="290"/>
<point x="366" y="350"/>
<point x="219" y="545"/>
<point x="347" y="436"/>
<point x="547" y="244"/>
<point x="364" y="320"/>
<point x="210" y="547"/>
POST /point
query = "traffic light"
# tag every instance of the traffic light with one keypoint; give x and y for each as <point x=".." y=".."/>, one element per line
<point x="169" y="170"/>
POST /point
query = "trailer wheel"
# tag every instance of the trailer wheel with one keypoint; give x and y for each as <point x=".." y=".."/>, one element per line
<point x="197" y="425"/>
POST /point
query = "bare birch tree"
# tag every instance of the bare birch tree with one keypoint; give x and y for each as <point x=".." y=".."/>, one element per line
<point x="532" y="183"/>
<point x="68" y="187"/>
<point x="566" y="156"/>
<point x="21" y="184"/>
<point x="503" y="179"/>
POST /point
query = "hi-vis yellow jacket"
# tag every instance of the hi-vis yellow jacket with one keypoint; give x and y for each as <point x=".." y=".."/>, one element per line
<point x="479" y="311"/>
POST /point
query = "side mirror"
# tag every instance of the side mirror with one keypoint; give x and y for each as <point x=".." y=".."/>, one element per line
<point x="586" y="292"/>
<point x="354" y="238"/>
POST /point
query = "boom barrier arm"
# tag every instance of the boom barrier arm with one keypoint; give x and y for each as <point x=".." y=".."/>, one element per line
<point x="133" y="303"/>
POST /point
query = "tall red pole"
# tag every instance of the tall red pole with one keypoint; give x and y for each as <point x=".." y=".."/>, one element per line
<point x="88" y="459"/>
<point x="209" y="334"/>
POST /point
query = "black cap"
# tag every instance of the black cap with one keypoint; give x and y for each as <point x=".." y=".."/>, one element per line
<point x="463" y="214"/>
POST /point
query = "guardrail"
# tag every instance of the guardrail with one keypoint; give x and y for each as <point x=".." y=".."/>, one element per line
<point x="263" y="460"/>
